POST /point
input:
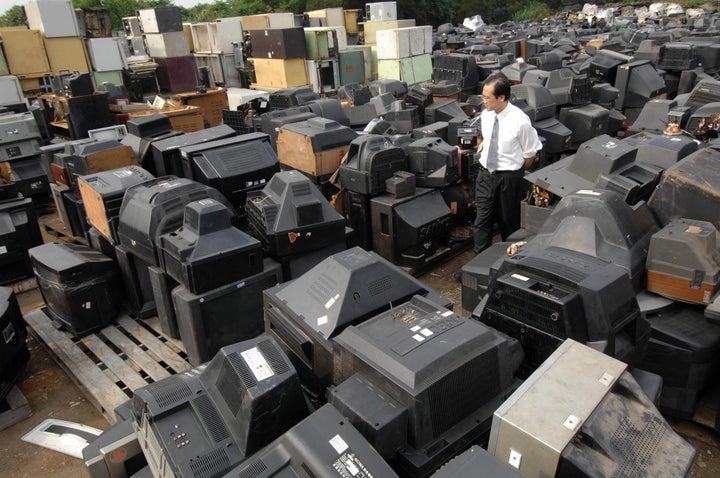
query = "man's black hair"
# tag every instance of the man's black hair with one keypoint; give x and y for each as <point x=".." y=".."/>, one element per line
<point x="500" y="85"/>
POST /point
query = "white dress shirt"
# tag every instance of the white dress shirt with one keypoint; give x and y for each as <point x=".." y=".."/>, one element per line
<point x="517" y="139"/>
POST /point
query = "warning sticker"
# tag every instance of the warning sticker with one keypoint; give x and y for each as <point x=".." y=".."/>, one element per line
<point x="338" y="444"/>
<point x="257" y="363"/>
<point x="123" y="173"/>
<point x="349" y="466"/>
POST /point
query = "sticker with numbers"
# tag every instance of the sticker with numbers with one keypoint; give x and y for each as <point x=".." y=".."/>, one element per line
<point x="257" y="363"/>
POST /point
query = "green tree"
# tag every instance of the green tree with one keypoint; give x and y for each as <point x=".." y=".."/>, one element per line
<point x="120" y="8"/>
<point x="13" y="17"/>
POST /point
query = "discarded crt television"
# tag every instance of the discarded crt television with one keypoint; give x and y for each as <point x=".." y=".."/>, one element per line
<point x="409" y="231"/>
<point x="152" y="208"/>
<point x="547" y="428"/>
<point x="434" y="162"/>
<point x="290" y="215"/>
<point x="207" y="251"/>
<point x="166" y="152"/>
<point x="637" y="83"/>
<point x="19" y="231"/>
<point x="103" y="193"/>
<point x="424" y="357"/>
<point x="81" y="286"/>
<point x="371" y="160"/>
<point x="604" y="65"/>
<point x="544" y="295"/>
<point x="205" y="421"/>
<point x="689" y="189"/>
<point x="683" y="262"/>
<point x="601" y="224"/>
<point x="234" y="166"/>
<point x="347" y="288"/>
<point x="568" y="87"/>
<point x="585" y="122"/>
<point x="322" y="445"/>
<point x="14" y="353"/>
<point x="473" y="459"/>
<point x="601" y="163"/>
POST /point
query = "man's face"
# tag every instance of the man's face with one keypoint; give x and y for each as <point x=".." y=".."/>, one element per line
<point x="490" y="101"/>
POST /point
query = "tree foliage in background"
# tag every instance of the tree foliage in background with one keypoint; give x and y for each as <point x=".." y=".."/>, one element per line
<point x="13" y="17"/>
<point x="120" y="8"/>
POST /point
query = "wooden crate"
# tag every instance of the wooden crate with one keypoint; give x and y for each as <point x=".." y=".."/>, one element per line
<point x="183" y="118"/>
<point x="111" y="364"/>
<point x="296" y="151"/>
<point x="276" y="74"/>
<point x="212" y="103"/>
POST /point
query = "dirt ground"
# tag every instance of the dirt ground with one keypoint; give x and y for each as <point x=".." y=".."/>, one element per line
<point x="52" y="394"/>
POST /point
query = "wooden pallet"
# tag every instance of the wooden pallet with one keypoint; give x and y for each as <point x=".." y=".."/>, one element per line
<point x="52" y="225"/>
<point x="111" y="364"/>
<point x="15" y="408"/>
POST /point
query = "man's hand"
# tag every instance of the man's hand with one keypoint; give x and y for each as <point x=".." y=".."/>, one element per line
<point x="529" y="162"/>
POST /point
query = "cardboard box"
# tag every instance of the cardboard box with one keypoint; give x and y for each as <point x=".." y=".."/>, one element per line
<point x="25" y="53"/>
<point x="277" y="74"/>
<point x="67" y="54"/>
<point x="212" y="103"/>
<point x="296" y="151"/>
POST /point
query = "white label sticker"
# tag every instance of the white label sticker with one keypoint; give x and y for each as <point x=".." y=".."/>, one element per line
<point x="416" y="328"/>
<point x="519" y="277"/>
<point x="515" y="459"/>
<point x="418" y="337"/>
<point x="3" y="250"/>
<point x="87" y="305"/>
<point x="426" y="332"/>
<point x="447" y="313"/>
<point x="207" y="202"/>
<point x="123" y="173"/>
<point x="338" y="443"/>
<point x="9" y="333"/>
<point x="257" y="363"/>
<point x="354" y="470"/>
<point x="588" y="191"/>
<point x="332" y="300"/>
<point x="322" y="320"/>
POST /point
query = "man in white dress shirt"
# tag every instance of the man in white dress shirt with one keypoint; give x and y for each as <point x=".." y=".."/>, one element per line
<point x="509" y="146"/>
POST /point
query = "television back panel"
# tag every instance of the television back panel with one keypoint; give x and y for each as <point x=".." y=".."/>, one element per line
<point x="290" y="215"/>
<point x="372" y="159"/>
<point x="545" y="427"/>
<point x="683" y="262"/>
<point x="162" y="287"/>
<point x="422" y="356"/>
<point x="155" y="207"/>
<point x="19" y="231"/>
<point x="13" y="349"/>
<point x="223" y="316"/>
<point x="166" y="152"/>
<point x="683" y="350"/>
<point x="434" y="162"/>
<point x="470" y="461"/>
<point x="322" y="445"/>
<point x="81" y="286"/>
<point x="139" y="297"/>
<point x="689" y="189"/>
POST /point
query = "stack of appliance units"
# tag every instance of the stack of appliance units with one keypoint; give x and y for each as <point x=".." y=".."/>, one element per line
<point x="215" y="46"/>
<point x="278" y="56"/>
<point x="57" y="22"/>
<point x="20" y="162"/>
<point x="166" y="42"/>
<point x="295" y="223"/>
<point x="221" y="273"/>
<point x="323" y="46"/>
<point x="25" y="55"/>
<point x="405" y="54"/>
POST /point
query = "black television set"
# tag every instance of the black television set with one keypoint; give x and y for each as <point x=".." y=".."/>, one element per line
<point x="425" y="358"/>
<point x="371" y="160"/>
<point x="568" y="87"/>
<point x="585" y="122"/>
<point x="290" y="215"/>
<point x="385" y="85"/>
<point x="154" y="207"/>
<point x="604" y="65"/>
<point x="545" y="294"/>
<point x="434" y="162"/>
<point x="704" y="92"/>
<point x="166" y="152"/>
<point x="19" y="231"/>
<point x="601" y="224"/>
<point x="234" y="166"/>
<point x="207" y="251"/>
<point x="538" y="98"/>
<point x="289" y="97"/>
<point x="14" y="353"/>
<point x="205" y="421"/>
<point x="443" y="110"/>
<point x="272" y="121"/>
<point x="324" y="445"/>
<point x="678" y="56"/>
<point x="637" y="82"/>
<point x="410" y="231"/>
<point x="304" y="315"/>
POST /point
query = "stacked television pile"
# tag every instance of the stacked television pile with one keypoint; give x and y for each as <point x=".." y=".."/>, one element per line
<point x="314" y="353"/>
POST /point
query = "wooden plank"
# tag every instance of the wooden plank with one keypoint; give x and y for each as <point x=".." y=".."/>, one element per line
<point x="154" y="323"/>
<point x="154" y="345"/>
<point x="18" y="408"/>
<point x="114" y="363"/>
<point x="102" y="391"/>
<point x="141" y="358"/>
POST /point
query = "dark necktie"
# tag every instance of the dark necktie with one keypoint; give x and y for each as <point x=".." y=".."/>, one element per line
<point x="492" y="157"/>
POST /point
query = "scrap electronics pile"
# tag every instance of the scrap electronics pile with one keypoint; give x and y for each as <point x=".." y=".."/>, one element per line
<point x="272" y="246"/>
